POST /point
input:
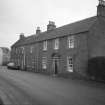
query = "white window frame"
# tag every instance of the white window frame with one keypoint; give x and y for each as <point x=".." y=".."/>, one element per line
<point x="44" y="62"/>
<point x="70" y="42"/>
<point x="45" y="45"/>
<point x="56" y="44"/>
<point x="69" y="64"/>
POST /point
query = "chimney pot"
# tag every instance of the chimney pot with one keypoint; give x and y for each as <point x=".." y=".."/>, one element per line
<point x="51" y="26"/>
<point x="22" y="36"/>
<point x="101" y="8"/>
<point x="38" y="30"/>
<point x="102" y="2"/>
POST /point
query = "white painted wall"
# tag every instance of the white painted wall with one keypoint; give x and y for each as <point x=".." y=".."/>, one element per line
<point x="1" y="56"/>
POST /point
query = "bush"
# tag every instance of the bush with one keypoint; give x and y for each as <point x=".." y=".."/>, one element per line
<point x="96" y="67"/>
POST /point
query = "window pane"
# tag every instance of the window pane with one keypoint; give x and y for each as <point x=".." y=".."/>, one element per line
<point x="69" y="64"/>
<point x="71" y="41"/>
<point x="31" y="49"/>
<point x="44" y="62"/>
<point x="45" y="45"/>
<point x="56" y="44"/>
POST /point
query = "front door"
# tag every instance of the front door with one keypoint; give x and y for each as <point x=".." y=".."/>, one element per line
<point x="55" y="65"/>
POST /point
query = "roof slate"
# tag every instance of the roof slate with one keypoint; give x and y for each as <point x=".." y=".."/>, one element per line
<point x="69" y="29"/>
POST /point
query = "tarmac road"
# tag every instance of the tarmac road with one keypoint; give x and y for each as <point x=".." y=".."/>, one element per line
<point x="26" y="88"/>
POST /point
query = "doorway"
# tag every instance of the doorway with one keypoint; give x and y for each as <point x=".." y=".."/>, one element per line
<point x="55" y="65"/>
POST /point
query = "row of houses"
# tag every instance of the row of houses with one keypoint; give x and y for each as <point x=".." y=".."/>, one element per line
<point x="4" y="56"/>
<point x="65" y="49"/>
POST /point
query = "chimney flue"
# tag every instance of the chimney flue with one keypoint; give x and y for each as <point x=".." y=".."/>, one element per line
<point x="51" y="26"/>
<point x="101" y="8"/>
<point x="102" y="2"/>
<point x="38" y="31"/>
<point x="22" y="36"/>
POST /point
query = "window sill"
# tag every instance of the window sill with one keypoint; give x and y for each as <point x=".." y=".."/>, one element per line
<point x="70" y="48"/>
<point x="44" y="50"/>
<point x="56" y="49"/>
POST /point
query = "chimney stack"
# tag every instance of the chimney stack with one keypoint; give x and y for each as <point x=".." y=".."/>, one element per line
<point x="22" y="36"/>
<point x="51" y="26"/>
<point x="101" y="8"/>
<point x="38" y="31"/>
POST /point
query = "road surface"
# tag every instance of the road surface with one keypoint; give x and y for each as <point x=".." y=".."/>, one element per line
<point x="26" y="88"/>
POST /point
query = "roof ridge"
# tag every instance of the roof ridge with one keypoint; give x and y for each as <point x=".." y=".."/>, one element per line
<point x="71" y="28"/>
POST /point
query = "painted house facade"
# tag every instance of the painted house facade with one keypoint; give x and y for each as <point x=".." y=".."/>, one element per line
<point x="4" y="55"/>
<point x="65" y="49"/>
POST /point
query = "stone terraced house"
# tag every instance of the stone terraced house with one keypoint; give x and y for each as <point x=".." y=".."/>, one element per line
<point x="4" y="56"/>
<point x="62" y="50"/>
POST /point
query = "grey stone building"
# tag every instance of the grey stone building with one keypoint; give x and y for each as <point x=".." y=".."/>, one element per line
<point x="62" y="50"/>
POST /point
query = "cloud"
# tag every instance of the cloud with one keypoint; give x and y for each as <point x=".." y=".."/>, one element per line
<point x="18" y="16"/>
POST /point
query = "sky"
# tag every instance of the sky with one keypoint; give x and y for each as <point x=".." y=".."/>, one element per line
<point x="23" y="16"/>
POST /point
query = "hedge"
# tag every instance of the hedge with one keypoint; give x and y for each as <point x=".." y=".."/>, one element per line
<point x="96" y="67"/>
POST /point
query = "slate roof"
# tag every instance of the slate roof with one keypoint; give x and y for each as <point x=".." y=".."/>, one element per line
<point x="69" y="29"/>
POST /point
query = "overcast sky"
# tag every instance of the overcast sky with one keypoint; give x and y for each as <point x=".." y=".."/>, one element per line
<point x="17" y="16"/>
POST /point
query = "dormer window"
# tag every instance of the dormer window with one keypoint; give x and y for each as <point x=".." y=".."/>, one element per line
<point x="56" y="44"/>
<point x="70" y="42"/>
<point x="45" y="45"/>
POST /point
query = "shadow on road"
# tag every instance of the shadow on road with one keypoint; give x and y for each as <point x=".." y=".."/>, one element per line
<point x="1" y="102"/>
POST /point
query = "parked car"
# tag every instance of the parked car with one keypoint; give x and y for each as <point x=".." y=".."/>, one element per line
<point x="11" y="65"/>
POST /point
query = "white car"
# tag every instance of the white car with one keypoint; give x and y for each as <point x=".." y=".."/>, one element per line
<point x="11" y="65"/>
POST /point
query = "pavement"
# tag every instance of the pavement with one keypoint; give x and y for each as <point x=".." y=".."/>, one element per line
<point x="27" y="88"/>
